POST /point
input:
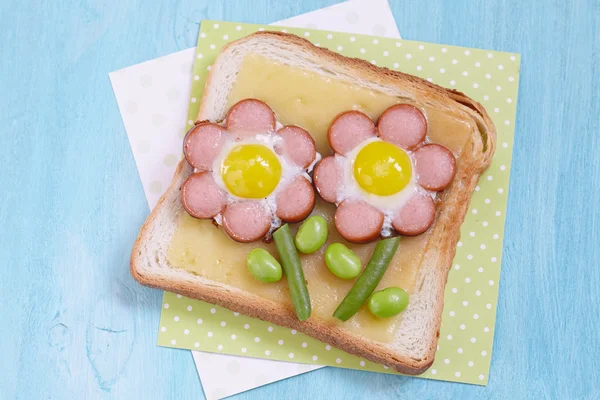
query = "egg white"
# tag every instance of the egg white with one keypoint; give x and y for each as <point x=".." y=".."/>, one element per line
<point x="289" y="172"/>
<point x="350" y="189"/>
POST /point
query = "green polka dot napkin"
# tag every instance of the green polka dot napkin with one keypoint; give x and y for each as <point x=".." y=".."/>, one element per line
<point x="467" y="331"/>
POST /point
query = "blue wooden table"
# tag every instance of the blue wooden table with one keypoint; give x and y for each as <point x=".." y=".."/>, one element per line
<point x="74" y="324"/>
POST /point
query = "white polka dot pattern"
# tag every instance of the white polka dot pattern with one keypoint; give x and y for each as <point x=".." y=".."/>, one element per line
<point x="471" y="293"/>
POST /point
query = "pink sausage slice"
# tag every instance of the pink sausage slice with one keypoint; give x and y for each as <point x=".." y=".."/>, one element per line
<point x="348" y="130"/>
<point x="416" y="216"/>
<point x="246" y="221"/>
<point x="327" y="178"/>
<point x="202" y="145"/>
<point x="296" y="200"/>
<point x="201" y="197"/>
<point x="436" y="167"/>
<point x="250" y="116"/>
<point x="403" y="125"/>
<point x="298" y="146"/>
<point x="358" y="222"/>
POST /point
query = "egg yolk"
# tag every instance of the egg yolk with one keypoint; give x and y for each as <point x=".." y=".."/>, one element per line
<point x="251" y="171"/>
<point x="382" y="168"/>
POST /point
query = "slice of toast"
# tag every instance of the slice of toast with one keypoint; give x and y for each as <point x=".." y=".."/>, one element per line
<point x="413" y="347"/>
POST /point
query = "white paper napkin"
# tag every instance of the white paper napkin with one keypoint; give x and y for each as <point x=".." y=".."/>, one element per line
<point x="153" y="100"/>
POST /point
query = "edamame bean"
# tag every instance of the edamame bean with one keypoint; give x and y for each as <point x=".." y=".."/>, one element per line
<point x="369" y="279"/>
<point x="288" y="255"/>
<point x="388" y="302"/>
<point x="342" y="261"/>
<point x="311" y="235"/>
<point x="263" y="266"/>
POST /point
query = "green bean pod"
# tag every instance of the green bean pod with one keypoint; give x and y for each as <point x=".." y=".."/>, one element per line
<point x="290" y="261"/>
<point x="369" y="279"/>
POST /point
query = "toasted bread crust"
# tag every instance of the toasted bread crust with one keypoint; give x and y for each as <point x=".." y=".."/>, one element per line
<point x="445" y="231"/>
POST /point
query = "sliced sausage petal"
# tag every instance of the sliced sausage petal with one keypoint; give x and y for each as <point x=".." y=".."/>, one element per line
<point x="249" y="117"/>
<point x="246" y="221"/>
<point x="358" y="222"/>
<point x="416" y="216"/>
<point x="328" y="178"/>
<point x="295" y="201"/>
<point x="436" y="167"/>
<point x="348" y="130"/>
<point x="201" y="197"/>
<point x="202" y="145"/>
<point x="403" y="125"/>
<point x="297" y="146"/>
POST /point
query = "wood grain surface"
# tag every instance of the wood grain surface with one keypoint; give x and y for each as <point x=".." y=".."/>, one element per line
<point x="74" y="324"/>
